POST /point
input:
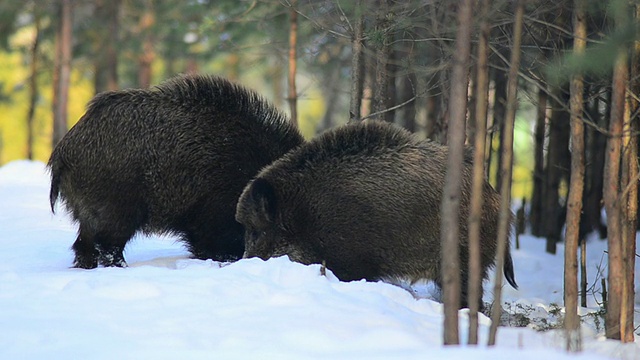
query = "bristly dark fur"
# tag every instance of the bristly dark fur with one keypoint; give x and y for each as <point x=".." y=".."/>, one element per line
<point x="173" y="158"/>
<point x="364" y="198"/>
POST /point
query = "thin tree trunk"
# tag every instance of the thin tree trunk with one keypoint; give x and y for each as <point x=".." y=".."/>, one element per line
<point x="438" y="121"/>
<point x="506" y="168"/>
<point x="106" y="62"/>
<point x="433" y="110"/>
<point x="473" y="91"/>
<point x="148" y="54"/>
<point x="366" y="108"/>
<point x="500" y="153"/>
<point x="552" y="183"/>
<point x="33" y="85"/>
<point x="629" y="245"/>
<point x="557" y="170"/>
<point x="357" y="64"/>
<point x="293" y="62"/>
<point x="441" y="126"/>
<point x="583" y="273"/>
<point x="576" y="187"/>
<point x="586" y="224"/>
<point x="332" y="94"/>
<point x="409" y="82"/>
<point x="383" y="54"/>
<point x="62" y="69"/>
<point x="521" y="221"/>
<point x="537" y="199"/>
<point x="629" y="199"/>
<point x="499" y="103"/>
<point x="595" y="171"/>
<point x="434" y="90"/>
<point x="481" y="109"/>
<point x="452" y="190"/>
<point x="613" y="204"/>
<point x="277" y="74"/>
<point x="392" y="90"/>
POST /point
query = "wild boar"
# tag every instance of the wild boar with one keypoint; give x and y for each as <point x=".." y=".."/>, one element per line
<point x="365" y="199"/>
<point x="170" y="159"/>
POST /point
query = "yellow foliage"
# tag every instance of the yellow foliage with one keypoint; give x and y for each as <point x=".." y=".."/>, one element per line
<point x="522" y="180"/>
<point x="13" y="107"/>
<point x="14" y="78"/>
<point x="311" y="108"/>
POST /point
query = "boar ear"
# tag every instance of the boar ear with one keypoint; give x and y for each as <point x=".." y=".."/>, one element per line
<point x="263" y="198"/>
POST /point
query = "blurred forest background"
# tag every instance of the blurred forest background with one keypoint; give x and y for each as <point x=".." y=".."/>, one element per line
<point x="56" y="54"/>
<point x="137" y="43"/>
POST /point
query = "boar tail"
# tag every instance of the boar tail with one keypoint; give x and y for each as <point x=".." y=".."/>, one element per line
<point x="508" y="269"/>
<point x="55" y="167"/>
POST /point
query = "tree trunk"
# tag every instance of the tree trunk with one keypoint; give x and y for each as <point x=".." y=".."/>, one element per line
<point x="293" y="62"/>
<point x="442" y="117"/>
<point x="33" y="84"/>
<point x="332" y="94"/>
<point x="106" y="61"/>
<point x="383" y="54"/>
<point x="392" y="71"/>
<point x="480" y="134"/>
<point x="437" y="102"/>
<point x="277" y="74"/>
<point x="537" y="215"/>
<point x="62" y="69"/>
<point x="595" y="143"/>
<point x="471" y="111"/>
<point x="631" y="215"/>
<point x="408" y="96"/>
<point x="576" y="186"/>
<point x="357" y="64"/>
<point x="557" y="170"/>
<point x="613" y="204"/>
<point x="433" y="110"/>
<point x="499" y="101"/>
<point x="145" y="60"/>
<point x="629" y="199"/>
<point x="451" y="194"/>
<point x="366" y="108"/>
<point x="583" y="273"/>
<point x="506" y="168"/>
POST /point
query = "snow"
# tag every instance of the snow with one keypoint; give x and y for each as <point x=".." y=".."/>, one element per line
<point x="168" y="306"/>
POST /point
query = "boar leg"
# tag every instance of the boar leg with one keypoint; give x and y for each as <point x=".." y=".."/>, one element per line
<point x="86" y="253"/>
<point x="105" y="248"/>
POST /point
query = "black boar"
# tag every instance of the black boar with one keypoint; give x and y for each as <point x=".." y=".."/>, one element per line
<point x="364" y="198"/>
<point x="170" y="159"/>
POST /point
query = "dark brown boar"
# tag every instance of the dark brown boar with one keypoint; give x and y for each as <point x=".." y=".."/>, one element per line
<point x="365" y="199"/>
<point x="170" y="159"/>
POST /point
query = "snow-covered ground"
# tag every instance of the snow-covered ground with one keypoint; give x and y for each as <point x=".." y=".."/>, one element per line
<point x="167" y="306"/>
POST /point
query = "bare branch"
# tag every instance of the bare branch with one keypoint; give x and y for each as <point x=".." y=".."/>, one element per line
<point x="389" y="109"/>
